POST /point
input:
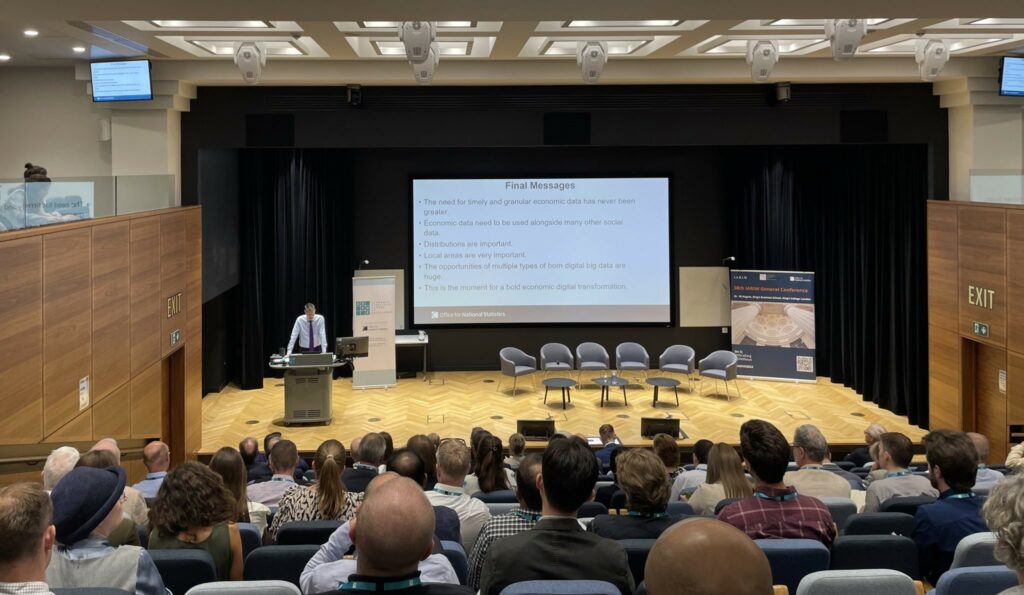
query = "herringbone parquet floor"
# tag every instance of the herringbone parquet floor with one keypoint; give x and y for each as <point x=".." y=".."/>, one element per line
<point x="455" y="402"/>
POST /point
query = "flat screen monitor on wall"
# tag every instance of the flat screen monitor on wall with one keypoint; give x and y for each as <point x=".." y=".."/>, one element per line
<point x="580" y="250"/>
<point x="127" y="80"/>
<point x="1011" y="77"/>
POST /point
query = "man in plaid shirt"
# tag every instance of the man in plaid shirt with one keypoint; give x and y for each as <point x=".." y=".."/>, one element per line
<point x="775" y="511"/>
<point x="513" y="522"/>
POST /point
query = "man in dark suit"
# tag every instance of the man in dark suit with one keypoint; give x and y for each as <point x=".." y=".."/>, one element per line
<point x="368" y="459"/>
<point x="558" y="548"/>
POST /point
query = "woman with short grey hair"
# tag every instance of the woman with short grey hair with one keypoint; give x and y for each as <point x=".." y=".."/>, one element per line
<point x="1004" y="515"/>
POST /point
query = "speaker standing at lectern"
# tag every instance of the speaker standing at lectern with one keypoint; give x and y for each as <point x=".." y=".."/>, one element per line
<point x="310" y="332"/>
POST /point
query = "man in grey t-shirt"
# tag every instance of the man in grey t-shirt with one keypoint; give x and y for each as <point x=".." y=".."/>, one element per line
<point x="894" y="455"/>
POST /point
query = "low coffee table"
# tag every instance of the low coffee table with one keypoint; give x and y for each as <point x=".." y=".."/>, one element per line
<point x="606" y="382"/>
<point x="565" y="384"/>
<point x="658" y="381"/>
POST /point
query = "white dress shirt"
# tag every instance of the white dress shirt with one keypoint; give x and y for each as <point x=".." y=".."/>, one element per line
<point x="688" y="479"/>
<point x="473" y="513"/>
<point x="300" y="331"/>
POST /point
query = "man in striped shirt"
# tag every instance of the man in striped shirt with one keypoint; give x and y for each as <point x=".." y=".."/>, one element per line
<point x="775" y="511"/>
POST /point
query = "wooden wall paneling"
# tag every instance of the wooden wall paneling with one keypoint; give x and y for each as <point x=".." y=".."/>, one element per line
<point x="145" y="301"/>
<point x="173" y="276"/>
<point x="67" y="324"/>
<point x="1015" y="389"/>
<point x="193" y="409"/>
<point x="112" y="417"/>
<point x="78" y="429"/>
<point x="21" y="341"/>
<point x="990" y="402"/>
<point x="982" y="239"/>
<point x="942" y="265"/>
<point x="1015" y="280"/>
<point x="944" y="403"/>
<point x="136" y="470"/>
<point x="147" y="410"/>
<point x="111" y="300"/>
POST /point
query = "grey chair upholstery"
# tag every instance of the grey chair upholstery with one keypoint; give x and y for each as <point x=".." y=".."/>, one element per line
<point x="840" y="509"/>
<point x="497" y="508"/>
<point x="496" y="496"/>
<point x="591" y="356"/>
<point x="88" y="591"/>
<point x="879" y="523"/>
<point x="632" y="357"/>
<point x="555" y="357"/>
<point x="515" y="363"/>
<point x="720" y="365"/>
<point x="905" y="504"/>
<point x="679" y="359"/>
<point x="856" y="582"/>
<point x="976" y="550"/>
<point x="245" y="588"/>
<point x="561" y="587"/>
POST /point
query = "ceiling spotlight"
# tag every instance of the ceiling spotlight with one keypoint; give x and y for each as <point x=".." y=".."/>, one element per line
<point x="78" y="49"/>
<point x="424" y="71"/>
<point x="250" y="58"/>
<point x="762" y="55"/>
<point x="844" y="36"/>
<point x="591" y="57"/>
<point x="31" y="33"/>
<point x="417" y="37"/>
<point x="931" y="56"/>
<point x="5" y="57"/>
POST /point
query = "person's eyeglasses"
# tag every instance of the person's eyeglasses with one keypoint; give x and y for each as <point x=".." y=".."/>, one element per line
<point x="459" y="440"/>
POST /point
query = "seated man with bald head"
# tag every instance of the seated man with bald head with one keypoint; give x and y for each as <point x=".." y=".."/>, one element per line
<point x="408" y="463"/>
<point x="677" y="562"/>
<point x="157" y="459"/>
<point x="985" y="478"/>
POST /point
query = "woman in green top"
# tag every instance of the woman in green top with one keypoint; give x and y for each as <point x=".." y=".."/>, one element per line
<point x="193" y="510"/>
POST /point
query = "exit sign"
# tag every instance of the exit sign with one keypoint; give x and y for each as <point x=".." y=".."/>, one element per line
<point x="981" y="329"/>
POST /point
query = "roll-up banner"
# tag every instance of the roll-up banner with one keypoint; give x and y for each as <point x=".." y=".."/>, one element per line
<point x="773" y="324"/>
<point x="373" y="316"/>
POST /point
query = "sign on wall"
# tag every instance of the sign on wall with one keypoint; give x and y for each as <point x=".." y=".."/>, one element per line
<point x="773" y="324"/>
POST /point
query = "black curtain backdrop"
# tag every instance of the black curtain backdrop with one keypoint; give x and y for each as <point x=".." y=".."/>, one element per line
<point x="295" y="222"/>
<point x="855" y="216"/>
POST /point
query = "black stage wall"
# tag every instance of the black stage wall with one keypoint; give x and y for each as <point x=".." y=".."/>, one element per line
<point x="714" y="141"/>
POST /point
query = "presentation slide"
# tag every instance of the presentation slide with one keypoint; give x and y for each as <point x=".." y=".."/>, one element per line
<point x="1012" y="83"/>
<point x="121" y="81"/>
<point x="541" y="250"/>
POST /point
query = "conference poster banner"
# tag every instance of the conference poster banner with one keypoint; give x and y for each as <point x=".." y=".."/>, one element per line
<point x="373" y="316"/>
<point x="773" y="324"/>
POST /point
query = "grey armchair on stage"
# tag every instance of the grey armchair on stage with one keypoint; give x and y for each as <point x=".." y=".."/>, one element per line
<point x="516" y="363"/>
<point x="632" y="357"/>
<point x="679" y="359"/>
<point x="555" y="357"/>
<point x="720" y="365"/>
<point x="591" y="356"/>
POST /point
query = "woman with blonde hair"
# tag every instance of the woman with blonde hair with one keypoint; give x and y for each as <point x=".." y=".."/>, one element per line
<point x="324" y="500"/>
<point x="725" y="480"/>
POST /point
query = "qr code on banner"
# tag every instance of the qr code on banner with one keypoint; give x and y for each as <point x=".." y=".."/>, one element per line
<point x="804" y="363"/>
<point x="363" y="308"/>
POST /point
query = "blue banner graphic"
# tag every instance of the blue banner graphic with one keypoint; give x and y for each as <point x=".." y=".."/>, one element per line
<point x="773" y="324"/>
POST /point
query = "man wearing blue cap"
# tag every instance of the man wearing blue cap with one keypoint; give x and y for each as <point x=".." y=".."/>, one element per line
<point x="86" y="508"/>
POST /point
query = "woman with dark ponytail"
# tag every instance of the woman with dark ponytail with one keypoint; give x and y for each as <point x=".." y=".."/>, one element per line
<point x="491" y="474"/>
<point x="327" y="499"/>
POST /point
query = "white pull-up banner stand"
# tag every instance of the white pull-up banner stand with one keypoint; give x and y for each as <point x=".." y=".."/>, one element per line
<point x="373" y="316"/>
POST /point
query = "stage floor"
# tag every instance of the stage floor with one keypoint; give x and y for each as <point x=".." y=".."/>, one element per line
<point x="455" y="402"/>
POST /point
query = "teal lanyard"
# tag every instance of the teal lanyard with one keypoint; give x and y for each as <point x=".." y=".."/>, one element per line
<point x="982" y="466"/>
<point x="527" y="516"/>
<point x="446" y="492"/>
<point x="287" y="479"/>
<point x="903" y="473"/>
<point x="362" y="466"/>
<point x="648" y="515"/>
<point x="781" y="498"/>
<point x="368" y="586"/>
<point x="960" y="496"/>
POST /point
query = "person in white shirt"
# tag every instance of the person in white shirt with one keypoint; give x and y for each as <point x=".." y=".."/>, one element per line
<point x="284" y="456"/>
<point x="156" y="456"/>
<point x="809" y="452"/>
<point x="986" y="478"/>
<point x="689" y="480"/>
<point x="452" y="466"/>
<point x="310" y="331"/>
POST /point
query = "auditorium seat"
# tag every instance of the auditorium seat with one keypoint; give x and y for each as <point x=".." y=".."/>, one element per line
<point x="675" y="508"/>
<point x="555" y="357"/>
<point x="251" y="538"/>
<point x="856" y="582"/>
<point x="278" y="562"/>
<point x="457" y="556"/>
<point x="496" y="496"/>
<point x="982" y="490"/>
<point x="720" y="365"/>
<point x="245" y="588"/>
<point x="563" y="587"/>
<point x="976" y="550"/>
<point x="845" y="465"/>
<point x="864" y="552"/>
<point x="309" y="475"/>
<point x="183" y="569"/>
<point x="637" y="551"/>
<point x="515" y="363"/>
<point x="879" y="523"/>
<point x="976" y="580"/>
<point x="591" y="356"/>
<point x="306" y="532"/>
<point x="723" y="503"/>
<point x="793" y="559"/>
<point x="905" y="504"/>
<point x="497" y="508"/>
<point x="840" y="509"/>
<point x="590" y="510"/>
<point x="88" y="591"/>
<point x="143" y="536"/>
<point x="618" y="501"/>
<point x="679" y="359"/>
<point x="632" y="357"/>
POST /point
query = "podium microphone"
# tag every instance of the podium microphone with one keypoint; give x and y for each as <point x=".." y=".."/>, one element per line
<point x="361" y="263"/>
<point x="728" y="259"/>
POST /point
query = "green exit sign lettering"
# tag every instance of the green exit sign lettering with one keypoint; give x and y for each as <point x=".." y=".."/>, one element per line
<point x="981" y="329"/>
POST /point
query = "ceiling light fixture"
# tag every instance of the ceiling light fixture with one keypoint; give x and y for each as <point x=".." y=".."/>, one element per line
<point x="4" y="57"/>
<point x="31" y="33"/>
<point x="622" y="24"/>
<point x="78" y="49"/>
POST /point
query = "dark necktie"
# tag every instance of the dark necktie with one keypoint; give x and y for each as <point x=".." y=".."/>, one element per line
<point x="311" y="335"/>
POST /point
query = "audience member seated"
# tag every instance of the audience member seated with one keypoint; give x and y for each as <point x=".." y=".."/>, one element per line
<point x="393" y="535"/>
<point x="516" y="521"/>
<point x="28" y="537"/>
<point x="452" y="466"/>
<point x="668" y="451"/>
<point x="688" y="480"/>
<point x="516" y="448"/>
<point x="227" y="462"/>
<point x="268" y="444"/>
<point x="609" y="443"/>
<point x="809" y="451"/>
<point x="894" y="455"/>
<point x="283" y="459"/>
<point x="256" y="471"/>
<point x="156" y="456"/>
<point x="952" y="466"/>
<point x="860" y="456"/>
<point x="425" y="447"/>
<point x="775" y="511"/>
<point x="475" y="436"/>
<point x="1015" y="458"/>
<point x="604" y="494"/>
<point x="986" y="478"/>
<point x="1004" y="515"/>
<point x="368" y="460"/>
<point x="851" y="478"/>
<point x="876" y="472"/>
<point x="642" y="477"/>
<point x="326" y="499"/>
<point x="679" y="561"/>
<point x="406" y="463"/>
<point x="389" y="449"/>
<point x="134" y="505"/>
<point x="725" y="479"/>
<point x="435" y="439"/>
<point x="86" y="509"/>
<point x="490" y="475"/>
<point x="59" y="463"/>
<point x="558" y="547"/>
<point x="125" y="532"/>
<point x="194" y="511"/>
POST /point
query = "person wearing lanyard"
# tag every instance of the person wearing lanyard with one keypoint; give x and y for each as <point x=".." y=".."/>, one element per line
<point x="812" y="479"/>
<point x="895" y="453"/>
<point x="283" y="458"/>
<point x="939" y="527"/>
<point x="368" y="457"/>
<point x="452" y="466"/>
<point x="310" y="332"/>
<point x="641" y="475"/>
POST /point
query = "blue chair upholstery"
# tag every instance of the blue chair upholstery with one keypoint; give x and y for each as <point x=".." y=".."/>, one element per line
<point x="637" y="551"/>
<point x="183" y="569"/>
<point x="675" y="508"/>
<point x="905" y="504"/>
<point x="457" y="556"/>
<point x="306" y="532"/>
<point x="447" y="525"/>
<point x="978" y="549"/>
<point x="863" y="552"/>
<point x="245" y="588"/>
<point x="793" y="559"/>
<point x="309" y="475"/>
<point x="278" y="563"/>
<point x="879" y="523"/>
<point x="555" y="357"/>
<point x="856" y="582"/>
<point x="561" y="588"/>
<point x="497" y="508"/>
<point x="840" y="508"/>
<point x="976" y="580"/>
<point x="632" y="357"/>
<point x="515" y="363"/>
<point x="618" y="501"/>
<point x="591" y="356"/>
<point x="496" y="496"/>
<point x="251" y="538"/>
<point x="679" y="359"/>
<point x="590" y="510"/>
<point x="720" y="365"/>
